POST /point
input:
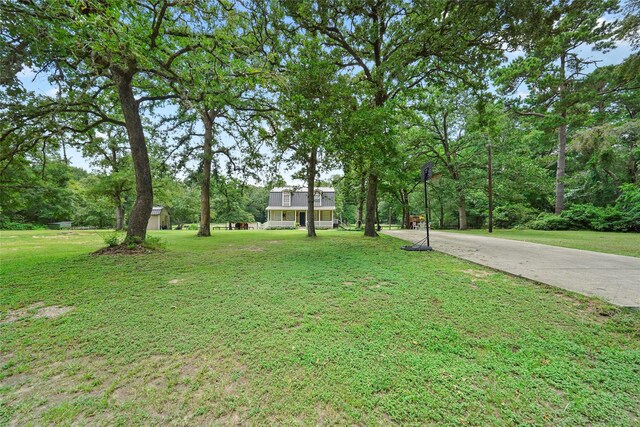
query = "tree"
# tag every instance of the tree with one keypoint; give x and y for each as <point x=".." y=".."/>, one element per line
<point x="109" y="154"/>
<point x="553" y="65"/>
<point x="91" y="50"/>
<point x="217" y="83"/>
<point x="32" y="193"/>
<point x="630" y="28"/>
<point x="403" y="177"/>
<point x="440" y="131"/>
<point x="390" y="47"/>
<point x="228" y="195"/>
<point x="307" y="100"/>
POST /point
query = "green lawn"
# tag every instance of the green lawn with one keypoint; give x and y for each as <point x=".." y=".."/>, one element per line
<point x="258" y="327"/>
<point x="598" y="241"/>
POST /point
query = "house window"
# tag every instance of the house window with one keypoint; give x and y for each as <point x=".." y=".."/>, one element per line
<point x="317" y="199"/>
<point x="286" y="198"/>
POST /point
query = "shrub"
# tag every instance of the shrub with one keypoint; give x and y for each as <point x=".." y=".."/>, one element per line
<point x="546" y="221"/>
<point x="611" y="219"/>
<point x="629" y="204"/>
<point x="113" y="238"/>
<point x="512" y="215"/>
<point x="154" y="243"/>
<point x="623" y="216"/>
<point x="10" y="225"/>
<point x="193" y="227"/>
<point x="583" y="217"/>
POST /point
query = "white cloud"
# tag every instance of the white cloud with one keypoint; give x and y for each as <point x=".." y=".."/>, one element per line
<point x="26" y="73"/>
<point x="53" y="92"/>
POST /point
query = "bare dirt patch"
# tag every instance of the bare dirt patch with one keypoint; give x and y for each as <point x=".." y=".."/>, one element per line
<point x="62" y="235"/>
<point x="51" y="312"/>
<point x="176" y="281"/>
<point x="254" y="249"/>
<point x="478" y="274"/>
<point x="14" y="315"/>
<point x="123" y="250"/>
<point x="232" y="418"/>
<point x="327" y="415"/>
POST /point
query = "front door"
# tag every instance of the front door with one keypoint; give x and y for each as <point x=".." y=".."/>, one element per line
<point x="303" y="217"/>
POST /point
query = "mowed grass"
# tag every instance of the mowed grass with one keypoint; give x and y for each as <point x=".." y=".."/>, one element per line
<point x="270" y="327"/>
<point x="597" y="241"/>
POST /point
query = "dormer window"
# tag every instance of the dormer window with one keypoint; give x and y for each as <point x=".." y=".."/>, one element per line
<point x="286" y="198"/>
<point x="317" y="198"/>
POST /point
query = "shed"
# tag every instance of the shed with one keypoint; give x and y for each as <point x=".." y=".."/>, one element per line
<point x="159" y="219"/>
<point x="59" y="225"/>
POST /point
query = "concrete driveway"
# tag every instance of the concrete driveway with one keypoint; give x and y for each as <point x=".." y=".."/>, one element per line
<point x="615" y="278"/>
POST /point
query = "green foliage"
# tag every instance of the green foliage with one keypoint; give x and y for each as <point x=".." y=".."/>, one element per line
<point x="154" y="243"/>
<point x="547" y="221"/>
<point x="113" y="238"/>
<point x="512" y="215"/>
<point x="9" y="225"/>
<point x="32" y="194"/>
<point x="629" y="203"/>
<point x="229" y="201"/>
<point x="623" y="216"/>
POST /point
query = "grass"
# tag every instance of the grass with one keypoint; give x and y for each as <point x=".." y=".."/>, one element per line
<point x="269" y="327"/>
<point x="598" y="241"/>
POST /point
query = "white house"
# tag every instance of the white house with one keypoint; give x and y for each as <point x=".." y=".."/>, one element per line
<point x="288" y="207"/>
<point x="159" y="219"/>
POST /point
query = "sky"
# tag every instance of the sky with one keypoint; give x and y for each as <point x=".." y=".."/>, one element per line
<point x="39" y="84"/>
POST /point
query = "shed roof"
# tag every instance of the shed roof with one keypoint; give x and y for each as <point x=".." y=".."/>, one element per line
<point x="156" y="210"/>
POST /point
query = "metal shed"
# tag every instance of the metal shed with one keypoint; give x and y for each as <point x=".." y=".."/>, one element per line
<point x="159" y="219"/>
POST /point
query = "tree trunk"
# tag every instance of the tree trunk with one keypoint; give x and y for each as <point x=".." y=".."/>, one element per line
<point x="441" y="214"/>
<point x="311" y="179"/>
<point x="370" y="217"/>
<point x="562" y="143"/>
<point x="205" y="184"/>
<point x="119" y="214"/>
<point x="360" y="201"/>
<point x="632" y="162"/>
<point x="490" y="185"/>
<point x="404" y="199"/>
<point x="141" y="212"/>
<point x="405" y="217"/>
<point x="462" y="212"/>
<point x="562" y="159"/>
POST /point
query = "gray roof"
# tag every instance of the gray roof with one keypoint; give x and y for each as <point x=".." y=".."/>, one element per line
<point x="156" y="210"/>
<point x="302" y="189"/>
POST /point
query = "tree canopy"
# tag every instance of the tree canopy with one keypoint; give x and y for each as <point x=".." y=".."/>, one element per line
<point x="203" y="106"/>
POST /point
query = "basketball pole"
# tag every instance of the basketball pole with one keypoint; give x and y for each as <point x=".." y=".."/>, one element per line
<point x="426" y="212"/>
